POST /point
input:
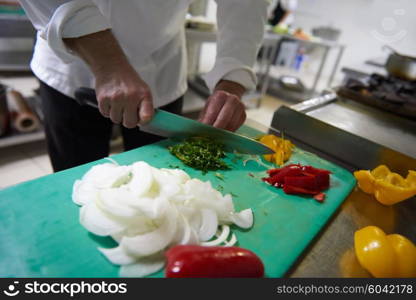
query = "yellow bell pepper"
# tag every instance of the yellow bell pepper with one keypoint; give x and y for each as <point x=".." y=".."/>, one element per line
<point x="283" y="149"/>
<point x="388" y="187"/>
<point x="385" y="255"/>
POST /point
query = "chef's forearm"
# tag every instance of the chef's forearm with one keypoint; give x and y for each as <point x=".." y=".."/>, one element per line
<point x="121" y="94"/>
<point x="100" y="50"/>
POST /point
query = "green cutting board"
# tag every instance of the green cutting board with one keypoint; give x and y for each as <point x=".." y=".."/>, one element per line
<point x="40" y="235"/>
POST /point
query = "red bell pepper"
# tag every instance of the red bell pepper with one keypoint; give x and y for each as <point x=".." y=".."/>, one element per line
<point x="298" y="179"/>
<point x="295" y="190"/>
<point x="277" y="176"/>
<point x="212" y="262"/>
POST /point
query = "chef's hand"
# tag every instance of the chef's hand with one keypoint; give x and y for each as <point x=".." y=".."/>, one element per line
<point x="124" y="97"/>
<point x="224" y="108"/>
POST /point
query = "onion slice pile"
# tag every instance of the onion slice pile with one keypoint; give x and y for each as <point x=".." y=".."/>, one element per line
<point x="147" y="210"/>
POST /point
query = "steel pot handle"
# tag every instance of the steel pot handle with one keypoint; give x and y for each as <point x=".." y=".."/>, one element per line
<point x="390" y="49"/>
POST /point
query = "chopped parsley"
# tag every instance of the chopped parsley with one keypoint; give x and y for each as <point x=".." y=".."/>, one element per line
<point x="200" y="153"/>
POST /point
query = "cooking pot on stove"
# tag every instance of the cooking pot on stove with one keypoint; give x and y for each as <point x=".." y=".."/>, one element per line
<point x="401" y="66"/>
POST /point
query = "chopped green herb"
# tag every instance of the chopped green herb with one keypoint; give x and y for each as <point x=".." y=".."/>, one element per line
<point x="200" y="153"/>
<point x="220" y="188"/>
<point x="219" y="176"/>
<point x="174" y="166"/>
<point x="234" y="195"/>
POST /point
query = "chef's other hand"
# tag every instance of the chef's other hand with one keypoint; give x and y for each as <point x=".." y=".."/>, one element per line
<point x="224" y="108"/>
<point x="124" y="97"/>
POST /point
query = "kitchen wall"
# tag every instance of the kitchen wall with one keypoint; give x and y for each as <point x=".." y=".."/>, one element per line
<point x="366" y="26"/>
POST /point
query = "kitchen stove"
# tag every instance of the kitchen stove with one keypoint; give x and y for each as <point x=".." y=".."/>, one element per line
<point x="387" y="93"/>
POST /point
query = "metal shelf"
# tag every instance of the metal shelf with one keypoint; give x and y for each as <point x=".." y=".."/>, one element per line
<point x="16" y="26"/>
<point x="17" y="138"/>
<point x="21" y="138"/>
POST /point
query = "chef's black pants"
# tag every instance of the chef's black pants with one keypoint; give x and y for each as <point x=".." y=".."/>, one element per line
<point x="78" y="134"/>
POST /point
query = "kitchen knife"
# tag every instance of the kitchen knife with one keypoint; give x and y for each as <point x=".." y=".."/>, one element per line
<point x="174" y="126"/>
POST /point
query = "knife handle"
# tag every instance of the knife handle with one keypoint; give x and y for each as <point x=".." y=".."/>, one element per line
<point x="86" y="96"/>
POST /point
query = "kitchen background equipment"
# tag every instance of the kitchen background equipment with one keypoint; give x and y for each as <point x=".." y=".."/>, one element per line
<point x="390" y="94"/>
<point x="24" y="120"/>
<point x="401" y="66"/>
<point x="327" y="33"/>
<point x="171" y="125"/>
<point x="56" y="245"/>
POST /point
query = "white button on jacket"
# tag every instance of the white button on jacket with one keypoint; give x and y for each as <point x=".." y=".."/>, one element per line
<point x="151" y="33"/>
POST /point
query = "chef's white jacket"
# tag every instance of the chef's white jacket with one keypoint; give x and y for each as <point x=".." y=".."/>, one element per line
<point x="151" y="33"/>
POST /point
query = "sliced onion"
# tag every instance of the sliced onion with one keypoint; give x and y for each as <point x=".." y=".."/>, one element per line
<point x="232" y="241"/>
<point x="145" y="210"/>
<point x="209" y="225"/>
<point x="110" y="159"/>
<point x="180" y="175"/>
<point x="186" y="234"/>
<point x="83" y="192"/>
<point x="118" y="256"/>
<point x="97" y="222"/>
<point x="107" y="175"/>
<point x="243" y="219"/>
<point x="142" y="178"/>
<point x="113" y="201"/>
<point x="221" y="237"/>
<point x="153" y="208"/>
<point x="117" y="236"/>
<point x="143" y="267"/>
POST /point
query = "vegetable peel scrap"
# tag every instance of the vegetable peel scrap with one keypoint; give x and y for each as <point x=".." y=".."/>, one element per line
<point x="147" y="210"/>
<point x="200" y="153"/>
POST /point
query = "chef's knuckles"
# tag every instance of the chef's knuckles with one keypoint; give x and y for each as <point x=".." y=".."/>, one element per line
<point x="224" y="110"/>
<point x="124" y="104"/>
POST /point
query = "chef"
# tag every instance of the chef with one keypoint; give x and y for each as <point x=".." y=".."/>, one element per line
<point x="133" y="54"/>
<point x="281" y="12"/>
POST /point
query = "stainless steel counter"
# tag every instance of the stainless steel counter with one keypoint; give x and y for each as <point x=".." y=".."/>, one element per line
<point x="380" y="127"/>
<point x="354" y="138"/>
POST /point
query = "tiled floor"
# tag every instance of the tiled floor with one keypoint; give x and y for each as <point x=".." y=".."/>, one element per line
<point x="23" y="162"/>
<point x="29" y="161"/>
<point x="264" y="113"/>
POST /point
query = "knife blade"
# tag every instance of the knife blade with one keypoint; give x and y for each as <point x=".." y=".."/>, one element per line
<point x="170" y="125"/>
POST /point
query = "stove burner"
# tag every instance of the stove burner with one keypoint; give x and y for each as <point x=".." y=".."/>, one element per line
<point x="390" y="89"/>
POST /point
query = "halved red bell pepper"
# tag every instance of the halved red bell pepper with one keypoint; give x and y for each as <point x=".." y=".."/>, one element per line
<point x="212" y="262"/>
